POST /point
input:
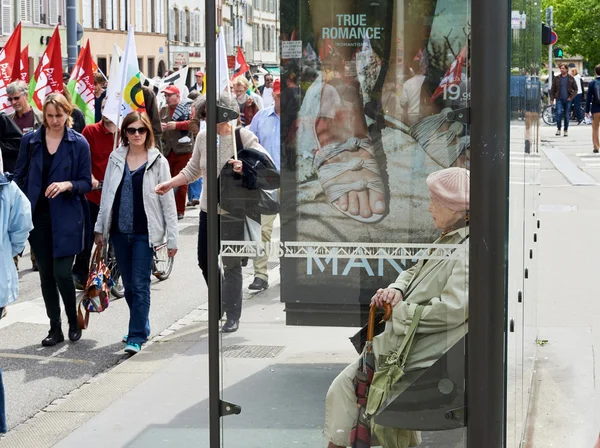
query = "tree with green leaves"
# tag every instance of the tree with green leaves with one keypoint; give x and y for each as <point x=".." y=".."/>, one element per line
<point x="577" y="23"/>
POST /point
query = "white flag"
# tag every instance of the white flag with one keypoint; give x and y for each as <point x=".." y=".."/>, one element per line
<point x="222" y="83"/>
<point x="128" y="96"/>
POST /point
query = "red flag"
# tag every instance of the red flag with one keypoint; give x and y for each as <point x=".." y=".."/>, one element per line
<point x="10" y="66"/>
<point x="25" y="64"/>
<point x="453" y="75"/>
<point x="326" y="48"/>
<point x="241" y="67"/>
<point x="48" y="76"/>
<point x="81" y="84"/>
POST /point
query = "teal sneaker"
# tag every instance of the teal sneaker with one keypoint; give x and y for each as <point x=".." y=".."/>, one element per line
<point x="124" y="340"/>
<point x="132" y="348"/>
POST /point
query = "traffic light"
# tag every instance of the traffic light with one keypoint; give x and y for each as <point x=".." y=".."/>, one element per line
<point x="546" y="35"/>
<point x="558" y="53"/>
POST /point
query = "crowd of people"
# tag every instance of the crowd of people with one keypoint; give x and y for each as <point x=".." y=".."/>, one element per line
<point x="66" y="186"/>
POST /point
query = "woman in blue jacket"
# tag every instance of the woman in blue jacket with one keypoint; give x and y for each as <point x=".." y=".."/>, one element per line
<point x="592" y="110"/>
<point x="54" y="171"/>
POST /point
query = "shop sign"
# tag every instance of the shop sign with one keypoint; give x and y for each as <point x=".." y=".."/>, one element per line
<point x="181" y="59"/>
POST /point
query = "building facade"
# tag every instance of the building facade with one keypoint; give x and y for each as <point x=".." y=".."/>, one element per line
<point x="105" y="24"/>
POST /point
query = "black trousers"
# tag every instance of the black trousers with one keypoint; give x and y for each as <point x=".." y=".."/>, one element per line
<point x="230" y="228"/>
<point x="82" y="261"/>
<point x="55" y="273"/>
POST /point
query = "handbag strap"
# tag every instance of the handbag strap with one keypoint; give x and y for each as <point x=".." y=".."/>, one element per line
<point x="400" y="355"/>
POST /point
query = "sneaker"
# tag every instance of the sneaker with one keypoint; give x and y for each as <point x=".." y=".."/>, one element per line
<point x="132" y="348"/>
<point x="566" y="133"/>
<point x="595" y="151"/>
<point x="258" y="284"/>
<point x="195" y="202"/>
<point x="3" y="315"/>
<point x="557" y="132"/>
<point x="125" y="339"/>
<point x="180" y="216"/>
<point x="189" y="204"/>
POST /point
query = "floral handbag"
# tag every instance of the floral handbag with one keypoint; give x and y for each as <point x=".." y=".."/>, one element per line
<point x="96" y="296"/>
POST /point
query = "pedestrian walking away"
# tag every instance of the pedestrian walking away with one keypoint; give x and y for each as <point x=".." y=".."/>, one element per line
<point x="136" y="219"/>
<point x="592" y="109"/>
<point x="54" y="172"/>
<point x="178" y="142"/>
<point x="101" y="138"/>
<point x="15" y="225"/>
<point x="266" y="125"/>
<point x="231" y="227"/>
<point x="564" y="89"/>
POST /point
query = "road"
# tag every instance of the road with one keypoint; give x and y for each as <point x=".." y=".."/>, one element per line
<point x="35" y="376"/>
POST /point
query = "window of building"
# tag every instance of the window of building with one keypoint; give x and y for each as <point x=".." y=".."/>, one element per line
<point x="188" y="25"/>
<point x="150" y="72"/>
<point x="149" y="12"/>
<point x="108" y="13"/>
<point x="139" y="15"/>
<point x="122" y="15"/>
<point x="6" y="17"/>
<point x="25" y="10"/>
<point x="182" y="26"/>
<point x="102" y="64"/>
<point x="87" y="13"/>
<point x="37" y="9"/>
<point x="173" y="24"/>
<point x="141" y="64"/>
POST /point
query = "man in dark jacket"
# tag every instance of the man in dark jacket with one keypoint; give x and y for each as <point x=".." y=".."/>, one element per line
<point x="564" y="89"/>
<point x="10" y="142"/>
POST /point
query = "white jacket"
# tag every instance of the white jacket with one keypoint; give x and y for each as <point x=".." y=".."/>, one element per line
<point x="160" y="210"/>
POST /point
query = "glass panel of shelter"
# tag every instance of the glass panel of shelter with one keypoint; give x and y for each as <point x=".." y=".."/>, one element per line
<point x="374" y="194"/>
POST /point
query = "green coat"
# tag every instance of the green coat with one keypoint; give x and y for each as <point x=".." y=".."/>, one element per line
<point x="442" y="286"/>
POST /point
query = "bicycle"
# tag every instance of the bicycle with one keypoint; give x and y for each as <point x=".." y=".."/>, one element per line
<point x="162" y="266"/>
<point x="549" y="114"/>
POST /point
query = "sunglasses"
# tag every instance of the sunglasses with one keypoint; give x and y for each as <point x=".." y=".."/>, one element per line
<point x="132" y="131"/>
<point x="15" y="98"/>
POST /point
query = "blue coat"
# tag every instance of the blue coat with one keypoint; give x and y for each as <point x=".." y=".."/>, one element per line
<point x="15" y="224"/>
<point x="69" y="211"/>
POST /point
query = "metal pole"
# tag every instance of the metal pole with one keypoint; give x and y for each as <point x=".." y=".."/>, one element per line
<point x="549" y="72"/>
<point x="213" y="230"/>
<point x="71" y="34"/>
<point x="486" y="369"/>
<point x="550" y="23"/>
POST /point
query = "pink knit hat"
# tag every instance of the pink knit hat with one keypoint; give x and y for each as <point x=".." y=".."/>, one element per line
<point x="451" y="187"/>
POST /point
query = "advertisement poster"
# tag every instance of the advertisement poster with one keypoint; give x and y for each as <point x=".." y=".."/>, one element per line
<point x="378" y="101"/>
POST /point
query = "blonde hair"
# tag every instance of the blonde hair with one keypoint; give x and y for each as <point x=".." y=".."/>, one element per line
<point x="241" y="81"/>
<point x="574" y="71"/>
<point x="59" y="101"/>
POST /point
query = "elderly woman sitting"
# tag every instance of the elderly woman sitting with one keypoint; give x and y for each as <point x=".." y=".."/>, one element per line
<point x="439" y="285"/>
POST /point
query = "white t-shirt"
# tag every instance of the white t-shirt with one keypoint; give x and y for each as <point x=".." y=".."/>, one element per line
<point x="267" y="96"/>
<point x="578" y="81"/>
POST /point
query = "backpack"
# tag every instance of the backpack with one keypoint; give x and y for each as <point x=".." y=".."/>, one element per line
<point x="597" y="92"/>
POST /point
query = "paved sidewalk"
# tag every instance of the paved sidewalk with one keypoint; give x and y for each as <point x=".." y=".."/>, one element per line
<point x="564" y="408"/>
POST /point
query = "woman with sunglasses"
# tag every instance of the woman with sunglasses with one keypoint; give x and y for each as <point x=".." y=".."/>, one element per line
<point x="136" y="218"/>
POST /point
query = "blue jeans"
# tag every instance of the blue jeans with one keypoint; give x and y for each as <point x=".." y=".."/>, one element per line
<point x="194" y="189"/>
<point x="563" y="110"/>
<point x="134" y="258"/>
<point x="2" y="405"/>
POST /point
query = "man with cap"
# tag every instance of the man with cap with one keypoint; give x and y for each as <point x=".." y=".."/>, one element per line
<point x="266" y="125"/>
<point x="199" y="75"/>
<point x="177" y="140"/>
